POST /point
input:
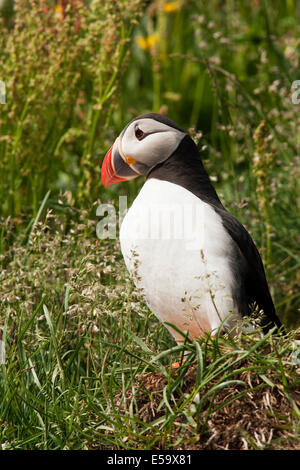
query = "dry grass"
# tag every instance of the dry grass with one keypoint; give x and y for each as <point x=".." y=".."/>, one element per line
<point x="255" y="411"/>
<point x="260" y="419"/>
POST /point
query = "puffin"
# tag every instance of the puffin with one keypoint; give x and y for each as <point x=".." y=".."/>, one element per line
<point x="197" y="266"/>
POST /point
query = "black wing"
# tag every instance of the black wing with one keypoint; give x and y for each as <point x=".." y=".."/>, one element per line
<point x="254" y="288"/>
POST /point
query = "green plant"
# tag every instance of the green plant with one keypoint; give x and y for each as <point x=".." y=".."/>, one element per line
<point x="61" y="73"/>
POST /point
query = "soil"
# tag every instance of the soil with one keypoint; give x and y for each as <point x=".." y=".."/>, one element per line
<point x="262" y="418"/>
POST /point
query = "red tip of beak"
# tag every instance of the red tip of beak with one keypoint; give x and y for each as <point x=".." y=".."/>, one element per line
<point x="108" y="174"/>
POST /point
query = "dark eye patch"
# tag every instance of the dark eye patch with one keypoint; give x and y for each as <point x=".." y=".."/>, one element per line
<point x="139" y="133"/>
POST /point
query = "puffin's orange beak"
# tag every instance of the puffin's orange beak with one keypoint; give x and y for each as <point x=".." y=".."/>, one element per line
<point x="108" y="174"/>
<point x="115" y="169"/>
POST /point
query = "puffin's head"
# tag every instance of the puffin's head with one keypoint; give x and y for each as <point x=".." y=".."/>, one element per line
<point x="145" y="142"/>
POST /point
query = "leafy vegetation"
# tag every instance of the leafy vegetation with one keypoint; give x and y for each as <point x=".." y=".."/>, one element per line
<point x="87" y="365"/>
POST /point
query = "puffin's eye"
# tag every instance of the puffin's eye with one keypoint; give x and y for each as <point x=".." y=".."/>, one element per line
<point x="139" y="133"/>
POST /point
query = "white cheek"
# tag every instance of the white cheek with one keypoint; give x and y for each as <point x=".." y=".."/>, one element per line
<point x="154" y="148"/>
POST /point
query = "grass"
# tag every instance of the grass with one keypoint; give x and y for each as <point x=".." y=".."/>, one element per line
<point x="87" y="365"/>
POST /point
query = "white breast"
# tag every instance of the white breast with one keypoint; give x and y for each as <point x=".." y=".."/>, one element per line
<point x="177" y="250"/>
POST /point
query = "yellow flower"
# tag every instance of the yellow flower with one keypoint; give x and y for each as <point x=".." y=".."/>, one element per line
<point x="169" y="7"/>
<point x="58" y="11"/>
<point x="148" y="42"/>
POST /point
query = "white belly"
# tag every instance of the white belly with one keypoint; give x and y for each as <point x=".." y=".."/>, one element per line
<point x="175" y="247"/>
